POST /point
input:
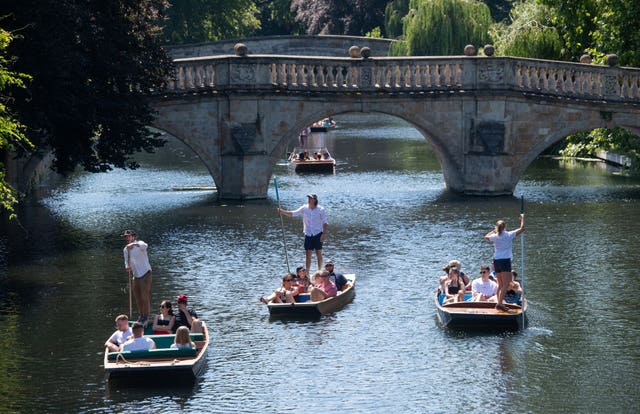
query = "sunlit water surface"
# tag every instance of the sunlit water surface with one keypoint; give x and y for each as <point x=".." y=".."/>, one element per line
<point x="393" y="224"/>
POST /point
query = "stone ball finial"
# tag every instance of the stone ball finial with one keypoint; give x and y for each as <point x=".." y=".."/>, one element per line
<point x="469" y="50"/>
<point x="354" y="52"/>
<point x="612" y="59"/>
<point x="585" y="58"/>
<point x="489" y="50"/>
<point x="365" y="52"/>
<point x="241" y="49"/>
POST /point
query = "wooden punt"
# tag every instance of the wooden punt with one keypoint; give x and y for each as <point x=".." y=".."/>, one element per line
<point x="147" y="366"/>
<point x="310" y="164"/>
<point x="314" y="309"/>
<point x="480" y="315"/>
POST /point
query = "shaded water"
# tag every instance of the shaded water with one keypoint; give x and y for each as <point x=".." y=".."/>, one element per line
<point x="392" y="223"/>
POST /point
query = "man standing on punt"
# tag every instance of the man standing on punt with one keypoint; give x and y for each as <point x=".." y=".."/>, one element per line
<point x="136" y="262"/>
<point x="315" y="227"/>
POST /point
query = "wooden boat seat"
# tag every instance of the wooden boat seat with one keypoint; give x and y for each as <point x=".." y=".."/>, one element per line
<point x="154" y="353"/>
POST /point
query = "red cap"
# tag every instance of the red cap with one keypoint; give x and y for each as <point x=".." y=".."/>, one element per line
<point x="182" y="298"/>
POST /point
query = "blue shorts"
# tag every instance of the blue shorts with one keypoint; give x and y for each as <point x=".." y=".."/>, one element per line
<point x="502" y="265"/>
<point x="313" y="242"/>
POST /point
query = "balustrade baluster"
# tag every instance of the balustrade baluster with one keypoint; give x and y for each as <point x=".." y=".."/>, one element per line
<point x="448" y="78"/>
<point x="189" y="77"/>
<point x="300" y="79"/>
<point x="633" y="89"/>
<point x="387" y="78"/>
<point x="199" y="78"/>
<point x="340" y="77"/>
<point x="331" y="78"/>
<point x="458" y="74"/>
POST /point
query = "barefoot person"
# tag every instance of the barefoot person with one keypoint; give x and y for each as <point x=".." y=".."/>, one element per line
<point x="315" y="226"/>
<point x="136" y="262"/>
<point x="502" y="244"/>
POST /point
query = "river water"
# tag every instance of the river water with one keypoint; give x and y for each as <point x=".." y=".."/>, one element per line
<point x="391" y="222"/>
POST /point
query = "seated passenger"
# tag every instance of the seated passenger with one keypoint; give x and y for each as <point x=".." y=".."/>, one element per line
<point x="138" y="342"/>
<point x="458" y="265"/>
<point x="186" y="317"/>
<point x="337" y="278"/>
<point x="183" y="340"/>
<point x="121" y="335"/>
<point x="514" y="290"/>
<point x="302" y="280"/>
<point x="323" y="286"/>
<point x="283" y="294"/>
<point x="453" y="287"/>
<point x="483" y="288"/>
<point x="163" y="323"/>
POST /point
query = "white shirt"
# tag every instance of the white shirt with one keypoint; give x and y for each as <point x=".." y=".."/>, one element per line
<point x="488" y="288"/>
<point x="313" y="219"/>
<point x="502" y="244"/>
<point x="139" y="344"/>
<point x="119" y="337"/>
<point x="137" y="258"/>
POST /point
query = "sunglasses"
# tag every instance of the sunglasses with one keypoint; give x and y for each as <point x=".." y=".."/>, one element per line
<point x="483" y="272"/>
<point x="287" y="280"/>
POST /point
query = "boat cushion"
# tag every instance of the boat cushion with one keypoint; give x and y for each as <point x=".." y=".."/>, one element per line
<point x="303" y="297"/>
<point x="165" y="341"/>
<point x="154" y="353"/>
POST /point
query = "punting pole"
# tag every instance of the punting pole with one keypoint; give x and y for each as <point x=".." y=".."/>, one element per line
<point x="284" y="243"/>
<point x="522" y="256"/>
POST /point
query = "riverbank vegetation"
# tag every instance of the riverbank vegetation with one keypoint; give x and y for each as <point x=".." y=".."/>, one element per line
<point x="90" y="64"/>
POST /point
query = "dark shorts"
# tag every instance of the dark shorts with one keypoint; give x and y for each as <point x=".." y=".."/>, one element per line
<point x="313" y="242"/>
<point x="502" y="265"/>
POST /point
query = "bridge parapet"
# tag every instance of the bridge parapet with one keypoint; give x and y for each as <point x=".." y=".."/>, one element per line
<point x="408" y="74"/>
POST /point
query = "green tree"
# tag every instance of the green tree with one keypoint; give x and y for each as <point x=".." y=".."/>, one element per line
<point x="192" y="21"/>
<point x="530" y="33"/>
<point x="598" y="27"/>
<point x="500" y="9"/>
<point x="277" y="18"/>
<point x="444" y="27"/>
<point x="93" y="64"/>
<point x="394" y="12"/>
<point x="12" y="136"/>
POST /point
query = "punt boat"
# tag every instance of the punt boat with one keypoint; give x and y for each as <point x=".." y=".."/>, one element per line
<point x="480" y="315"/>
<point x="311" y="309"/>
<point x="160" y="363"/>
<point x="316" y="159"/>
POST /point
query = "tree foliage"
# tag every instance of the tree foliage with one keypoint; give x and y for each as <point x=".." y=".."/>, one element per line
<point x="599" y="28"/>
<point x="394" y="13"/>
<point x="530" y="33"/>
<point x="340" y="17"/>
<point x="444" y="27"/>
<point x="277" y="18"/>
<point x="191" y="21"/>
<point x="500" y="9"/>
<point x="12" y="135"/>
<point x="617" y="140"/>
<point x="93" y="63"/>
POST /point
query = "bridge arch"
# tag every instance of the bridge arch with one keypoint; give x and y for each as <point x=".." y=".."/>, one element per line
<point x="424" y="125"/>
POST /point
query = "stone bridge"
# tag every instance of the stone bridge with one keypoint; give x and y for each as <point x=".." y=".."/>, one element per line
<point x="487" y="118"/>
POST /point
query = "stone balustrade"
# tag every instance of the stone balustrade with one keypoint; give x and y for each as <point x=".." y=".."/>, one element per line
<point x="407" y="74"/>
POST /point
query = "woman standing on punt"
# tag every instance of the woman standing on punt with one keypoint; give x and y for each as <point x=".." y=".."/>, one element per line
<point x="502" y="244"/>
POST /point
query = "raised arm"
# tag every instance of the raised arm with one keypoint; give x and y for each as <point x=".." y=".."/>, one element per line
<point x="521" y="228"/>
